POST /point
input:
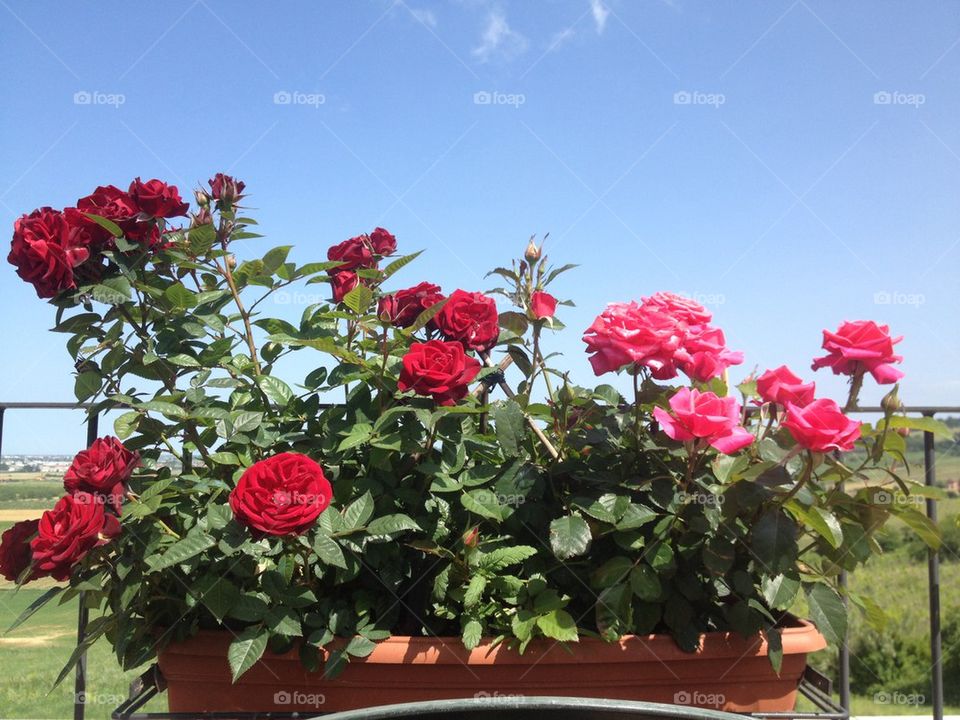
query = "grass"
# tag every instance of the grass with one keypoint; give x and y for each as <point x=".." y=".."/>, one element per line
<point x="31" y="657"/>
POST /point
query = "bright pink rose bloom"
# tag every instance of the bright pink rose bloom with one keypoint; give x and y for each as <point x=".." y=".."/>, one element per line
<point x="821" y="426"/>
<point x="695" y="414"/>
<point x="342" y="283"/>
<point x="705" y="356"/>
<point x="383" y="242"/>
<point x="543" y="304"/>
<point x="861" y="346"/>
<point x="781" y="386"/>
<point x="627" y="333"/>
<point x="682" y="309"/>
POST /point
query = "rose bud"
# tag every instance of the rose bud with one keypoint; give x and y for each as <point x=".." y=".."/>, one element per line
<point x="201" y="197"/>
<point x="543" y="305"/>
<point x="471" y="537"/>
<point x="532" y="253"/>
<point x="891" y="401"/>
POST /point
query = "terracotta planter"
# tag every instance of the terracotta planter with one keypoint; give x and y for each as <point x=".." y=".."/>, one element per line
<point x="728" y="673"/>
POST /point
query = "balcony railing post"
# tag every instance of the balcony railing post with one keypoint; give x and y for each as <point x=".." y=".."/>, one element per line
<point x="83" y="613"/>
<point x="933" y="578"/>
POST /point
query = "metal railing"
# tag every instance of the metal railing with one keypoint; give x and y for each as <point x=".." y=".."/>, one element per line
<point x="933" y="561"/>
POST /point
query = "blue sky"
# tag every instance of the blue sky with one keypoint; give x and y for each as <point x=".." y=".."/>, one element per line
<point x="792" y="163"/>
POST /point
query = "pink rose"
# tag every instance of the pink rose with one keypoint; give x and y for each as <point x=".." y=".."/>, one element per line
<point x="683" y="310"/>
<point x="543" y="305"/>
<point x="781" y="386"/>
<point x="705" y="356"/>
<point x="821" y="426"/>
<point x="695" y="414"/>
<point x="861" y="346"/>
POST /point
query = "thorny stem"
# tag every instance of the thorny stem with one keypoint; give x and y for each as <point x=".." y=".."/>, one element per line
<point x="223" y="233"/>
<point x="856" y="382"/>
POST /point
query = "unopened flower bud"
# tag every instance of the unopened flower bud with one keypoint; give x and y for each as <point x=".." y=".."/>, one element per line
<point x="891" y="401"/>
<point x="470" y="537"/>
<point x="202" y="198"/>
<point x="231" y="261"/>
<point x="567" y="395"/>
<point x="532" y="253"/>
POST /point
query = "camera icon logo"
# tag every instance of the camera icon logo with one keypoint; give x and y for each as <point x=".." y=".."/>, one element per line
<point x="282" y="97"/>
<point x="482" y="97"/>
<point x="282" y="697"/>
<point x="682" y="97"/>
<point x="882" y="97"/>
<point x="82" y="97"/>
<point x="681" y="697"/>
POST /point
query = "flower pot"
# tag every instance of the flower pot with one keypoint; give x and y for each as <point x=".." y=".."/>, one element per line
<point x="728" y="673"/>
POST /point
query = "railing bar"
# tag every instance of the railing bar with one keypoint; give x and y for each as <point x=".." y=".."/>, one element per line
<point x="83" y="613"/>
<point x="933" y="579"/>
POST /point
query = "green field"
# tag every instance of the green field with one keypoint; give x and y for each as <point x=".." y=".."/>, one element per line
<point x="31" y="656"/>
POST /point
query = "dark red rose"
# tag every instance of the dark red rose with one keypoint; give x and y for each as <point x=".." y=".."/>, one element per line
<point x="342" y="283"/>
<point x="108" y="202"/>
<point x="282" y="495"/>
<point x="471" y="318"/>
<point x="404" y="307"/>
<point x="15" y="553"/>
<point x="543" y="305"/>
<point x="77" y="524"/>
<point x="439" y="369"/>
<point x="46" y="250"/>
<point x="383" y="242"/>
<point x="157" y="199"/>
<point x="103" y="469"/>
<point x="353" y="253"/>
<point x="226" y="188"/>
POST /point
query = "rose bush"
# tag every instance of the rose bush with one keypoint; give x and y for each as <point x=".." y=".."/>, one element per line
<point x="401" y="486"/>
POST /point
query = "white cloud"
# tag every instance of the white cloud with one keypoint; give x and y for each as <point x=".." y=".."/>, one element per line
<point x="499" y="39"/>
<point x="600" y="14"/>
<point x="425" y="16"/>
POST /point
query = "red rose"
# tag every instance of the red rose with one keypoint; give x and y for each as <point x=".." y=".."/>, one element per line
<point x="383" y="242"/>
<point x="157" y="199"/>
<point x="821" y="426"/>
<point x="46" y="250"/>
<point x="282" y="495"/>
<point x="15" y="553"/>
<point x="404" y="307"/>
<point x="353" y="253"/>
<point x="111" y="203"/>
<point x="226" y="188"/>
<point x="782" y="386"/>
<point x="103" y="469"/>
<point x="342" y="283"/>
<point x="77" y="524"/>
<point x="470" y="318"/>
<point x="440" y="369"/>
<point x="861" y="346"/>
<point x="544" y="305"/>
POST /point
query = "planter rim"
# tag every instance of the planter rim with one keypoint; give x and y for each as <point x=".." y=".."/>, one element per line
<point x="799" y="637"/>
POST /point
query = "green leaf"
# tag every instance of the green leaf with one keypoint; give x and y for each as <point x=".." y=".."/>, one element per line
<point x="109" y="225"/>
<point x="923" y="526"/>
<point x="181" y="551"/>
<point x="359" y="299"/>
<point x="183" y="360"/>
<point x="569" y="536"/>
<point x="283" y="621"/>
<point x="515" y="322"/>
<point x="645" y="583"/>
<point x="219" y="596"/>
<point x="392" y="524"/>
<point x="275" y="389"/>
<point x="559" y="625"/>
<point x="827" y="612"/>
<point x="326" y="345"/>
<point x="112" y="291"/>
<point x="613" y="571"/>
<point x="46" y="597"/>
<point x="774" y="541"/>
<point x="400" y="263"/>
<point x="87" y="385"/>
<point x="472" y="632"/>
<point x="823" y="522"/>
<point x="780" y="591"/>
<point x="360" y="646"/>
<point x="425" y="317"/>
<point x="358" y="512"/>
<point x="510" y="425"/>
<point x="125" y="424"/>
<point x="225" y="458"/>
<point x="246" y="650"/>
<point x="482" y="502"/>
<point x="246" y="420"/>
<point x="505" y="557"/>
<point x="774" y="648"/>
<point x="178" y="296"/>
<point x="275" y="258"/>
<point x="474" y="592"/>
<point x="329" y="551"/>
<point x="924" y="424"/>
<point x="165" y="408"/>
